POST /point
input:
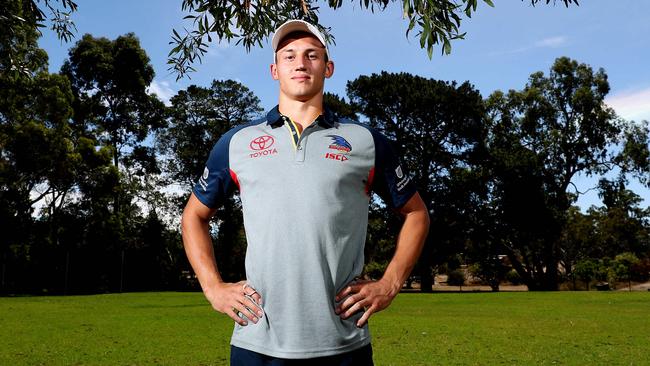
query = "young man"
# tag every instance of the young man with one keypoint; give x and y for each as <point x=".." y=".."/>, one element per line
<point x="305" y="178"/>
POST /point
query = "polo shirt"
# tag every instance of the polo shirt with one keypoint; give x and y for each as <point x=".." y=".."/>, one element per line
<point x="305" y="199"/>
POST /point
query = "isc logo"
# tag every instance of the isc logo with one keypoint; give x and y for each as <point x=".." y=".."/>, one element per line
<point x="339" y="157"/>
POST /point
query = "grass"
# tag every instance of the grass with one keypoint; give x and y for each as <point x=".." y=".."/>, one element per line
<point x="168" y="328"/>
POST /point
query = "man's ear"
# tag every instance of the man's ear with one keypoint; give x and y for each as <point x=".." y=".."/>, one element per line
<point x="329" y="69"/>
<point x="274" y="72"/>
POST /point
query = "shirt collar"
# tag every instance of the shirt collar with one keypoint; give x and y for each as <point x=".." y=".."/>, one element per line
<point x="327" y="119"/>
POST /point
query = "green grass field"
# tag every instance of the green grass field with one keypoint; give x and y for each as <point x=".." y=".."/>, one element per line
<point x="168" y="328"/>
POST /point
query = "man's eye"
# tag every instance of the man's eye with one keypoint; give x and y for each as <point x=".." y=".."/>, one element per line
<point x="289" y="57"/>
<point x="313" y="56"/>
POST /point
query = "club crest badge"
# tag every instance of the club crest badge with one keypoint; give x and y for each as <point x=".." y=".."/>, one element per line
<point x="339" y="143"/>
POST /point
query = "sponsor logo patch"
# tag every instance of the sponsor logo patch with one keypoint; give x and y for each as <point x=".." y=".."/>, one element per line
<point x="262" y="143"/>
<point x="402" y="183"/>
<point x="339" y="157"/>
<point x="404" y="180"/>
<point x="203" y="181"/>
<point x="398" y="172"/>
<point x="262" y="146"/>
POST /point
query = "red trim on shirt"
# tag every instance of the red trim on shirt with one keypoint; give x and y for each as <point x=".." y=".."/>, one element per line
<point x="371" y="176"/>
<point x="233" y="175"/>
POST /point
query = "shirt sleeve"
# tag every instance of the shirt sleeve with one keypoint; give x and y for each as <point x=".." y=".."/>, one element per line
<point x="216" y="184"/>
<point x="391" y="180"/>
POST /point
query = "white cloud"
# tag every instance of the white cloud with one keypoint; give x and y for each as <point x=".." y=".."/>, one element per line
<point x="631" y="104"/>
<point x="162" y="90"/>
<point x="552" y="42"/>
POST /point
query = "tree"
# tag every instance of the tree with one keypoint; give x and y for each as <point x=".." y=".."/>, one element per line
<point x="24" y="18"/>
<point x="41" y="156"/>
<point x="635" y="155"/>
<point x="114" y="112"/>
<point x="622" y="267"/>
<point x="585" y="270"/>
<point x="579" y="240"/>
<point x="540" y="138"/>
<point x="621" y="225"/>
<point x="197" y="119"/>
<point x="109" y="80"/>
<point x="340" y="106"/>
<point x="491" y="270"/>
<point x="249" y="22"/>
<point x="437" y="128"/>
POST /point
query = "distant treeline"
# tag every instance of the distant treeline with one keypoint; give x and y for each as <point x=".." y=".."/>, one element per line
<point x="94" y="172"/>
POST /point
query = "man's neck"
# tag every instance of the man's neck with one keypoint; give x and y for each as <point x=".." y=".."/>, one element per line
<point x="301" y="113"/>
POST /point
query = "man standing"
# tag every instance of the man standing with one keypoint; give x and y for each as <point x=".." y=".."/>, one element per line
<point x="305" y="179"/>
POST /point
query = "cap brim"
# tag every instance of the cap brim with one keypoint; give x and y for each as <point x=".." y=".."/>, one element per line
<point x="296" y="26"/>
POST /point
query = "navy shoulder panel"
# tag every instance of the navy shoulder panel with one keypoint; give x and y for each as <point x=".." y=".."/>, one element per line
<point x="391" y="180"/>
<point x="216" y="183"/>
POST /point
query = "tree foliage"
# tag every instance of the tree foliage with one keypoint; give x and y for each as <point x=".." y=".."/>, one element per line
<point x="81" y="175"/>
<point x="541" y="137"/>
<point x="437" y="22"/>
<point x="21" y="20"/>
<point x="197" y="118"/>
<point x="436" y="127"/>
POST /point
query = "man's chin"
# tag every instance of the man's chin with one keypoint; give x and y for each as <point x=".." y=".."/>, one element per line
<point x="303" y="97"/>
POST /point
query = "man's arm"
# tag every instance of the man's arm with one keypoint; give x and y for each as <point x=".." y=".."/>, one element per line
<point x="377" y="295"/>
<point x="227" y="298"/>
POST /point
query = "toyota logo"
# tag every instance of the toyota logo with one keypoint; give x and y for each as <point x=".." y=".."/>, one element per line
<point x="262" y="142"/>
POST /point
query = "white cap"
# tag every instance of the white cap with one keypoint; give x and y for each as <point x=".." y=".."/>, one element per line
<point x="296" y="26"/>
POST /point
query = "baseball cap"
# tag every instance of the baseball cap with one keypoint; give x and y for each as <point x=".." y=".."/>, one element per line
<point x="295" y="26"/>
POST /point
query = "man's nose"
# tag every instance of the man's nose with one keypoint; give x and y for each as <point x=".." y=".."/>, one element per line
<point x="300" y="62"/>
<point x="300" y="65"/>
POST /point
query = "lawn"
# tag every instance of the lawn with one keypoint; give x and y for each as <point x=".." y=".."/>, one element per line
<point x="169" y="328"/>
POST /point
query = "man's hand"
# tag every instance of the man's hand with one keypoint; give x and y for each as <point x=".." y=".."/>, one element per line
<point x="237" y="300"/>
<point x="367" y="296"/>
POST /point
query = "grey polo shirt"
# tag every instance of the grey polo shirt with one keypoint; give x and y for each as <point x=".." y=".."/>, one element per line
<point x="305" y="200"/>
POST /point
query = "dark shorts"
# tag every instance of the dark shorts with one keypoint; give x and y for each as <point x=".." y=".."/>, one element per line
<point x="358" y="357"/>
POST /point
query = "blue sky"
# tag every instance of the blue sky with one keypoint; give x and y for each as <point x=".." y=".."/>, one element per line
<point x="503" y="46"/>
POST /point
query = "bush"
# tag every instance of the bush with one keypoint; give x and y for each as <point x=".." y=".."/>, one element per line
<point x="585" y="270"/>
<point x="375" y="270"/>
<point x="640" y="271"/>
<point x="456" y="278"/>
<point x="513" y="277"/>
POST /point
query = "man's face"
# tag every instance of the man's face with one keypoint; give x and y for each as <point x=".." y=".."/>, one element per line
<point x="300" y="67"/>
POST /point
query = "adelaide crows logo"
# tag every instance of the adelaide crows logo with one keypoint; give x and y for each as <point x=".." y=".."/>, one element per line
<point x="340" y="144"/>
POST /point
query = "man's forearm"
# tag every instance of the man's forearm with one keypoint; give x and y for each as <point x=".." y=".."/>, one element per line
<point x="410" y="242"/>
<point x="200" y="253"/>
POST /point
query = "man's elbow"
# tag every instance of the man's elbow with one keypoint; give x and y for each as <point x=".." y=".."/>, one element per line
<point x="185" y="219"/>
<point x="426" y="220"/>
<point x="421" y="216"/>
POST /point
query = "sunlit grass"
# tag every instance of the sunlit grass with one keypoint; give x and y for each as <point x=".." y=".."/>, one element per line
<point x="169" y="328"/>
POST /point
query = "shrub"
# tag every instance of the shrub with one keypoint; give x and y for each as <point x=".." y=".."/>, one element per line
<point x="375" y="270"/>
<point x="456" y="278"/>
<point x="640" y="271"/>
<point x="513" y="277"/>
